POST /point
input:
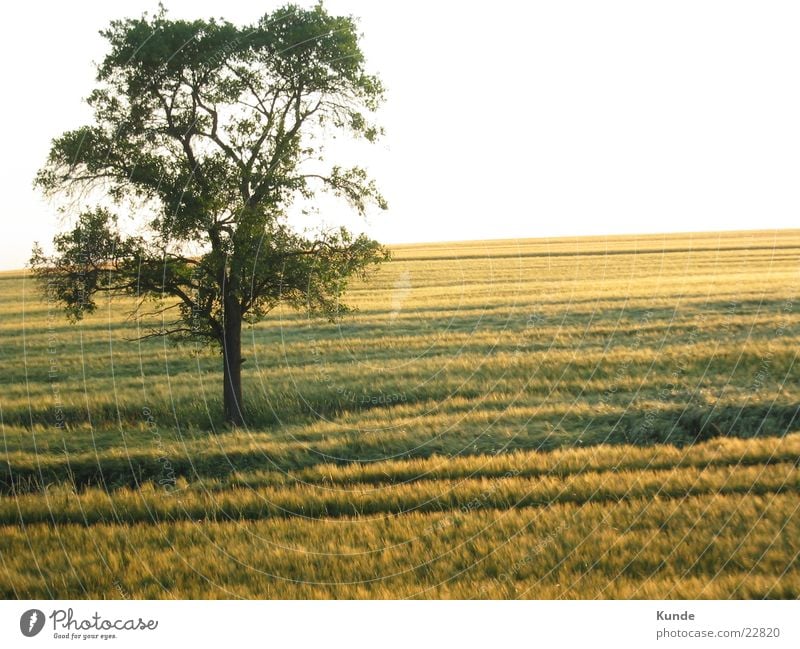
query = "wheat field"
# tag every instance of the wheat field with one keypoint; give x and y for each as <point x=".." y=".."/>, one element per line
<point x="599" y="417"/>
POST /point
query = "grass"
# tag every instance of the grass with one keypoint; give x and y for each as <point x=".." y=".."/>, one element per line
<point x="579" y="418"/>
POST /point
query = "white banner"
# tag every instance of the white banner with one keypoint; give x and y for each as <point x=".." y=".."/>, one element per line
<point x="400" y="624"/>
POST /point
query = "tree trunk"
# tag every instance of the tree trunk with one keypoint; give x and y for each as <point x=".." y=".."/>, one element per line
<point x="232" y="363"/>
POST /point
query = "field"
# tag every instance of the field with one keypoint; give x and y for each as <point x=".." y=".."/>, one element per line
<point x="607" y="417"/>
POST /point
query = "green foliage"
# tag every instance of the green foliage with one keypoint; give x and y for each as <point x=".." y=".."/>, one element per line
<point x="215" y="130"/>
<point x="87" y="261"/>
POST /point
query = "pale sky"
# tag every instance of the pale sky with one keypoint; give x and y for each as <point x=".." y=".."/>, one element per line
<point x="503" y="119"/>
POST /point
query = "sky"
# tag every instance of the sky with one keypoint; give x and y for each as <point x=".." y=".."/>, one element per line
<point x="503" y="119"/>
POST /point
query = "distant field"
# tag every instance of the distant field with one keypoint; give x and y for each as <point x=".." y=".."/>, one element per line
<point x="568" y="418"/>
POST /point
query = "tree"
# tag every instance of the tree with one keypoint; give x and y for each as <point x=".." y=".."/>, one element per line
<point x="208" y="133"/>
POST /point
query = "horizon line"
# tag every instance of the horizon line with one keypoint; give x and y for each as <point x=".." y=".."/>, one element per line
<point x="618" y="235"/>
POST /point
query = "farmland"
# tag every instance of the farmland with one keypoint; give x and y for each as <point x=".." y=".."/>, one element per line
<point x="604" y="417"/>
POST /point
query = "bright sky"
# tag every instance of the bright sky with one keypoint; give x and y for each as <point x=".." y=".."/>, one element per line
<point x="503" y="119"/>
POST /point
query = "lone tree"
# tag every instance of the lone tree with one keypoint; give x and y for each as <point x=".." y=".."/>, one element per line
<point x="209" y="132"/>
